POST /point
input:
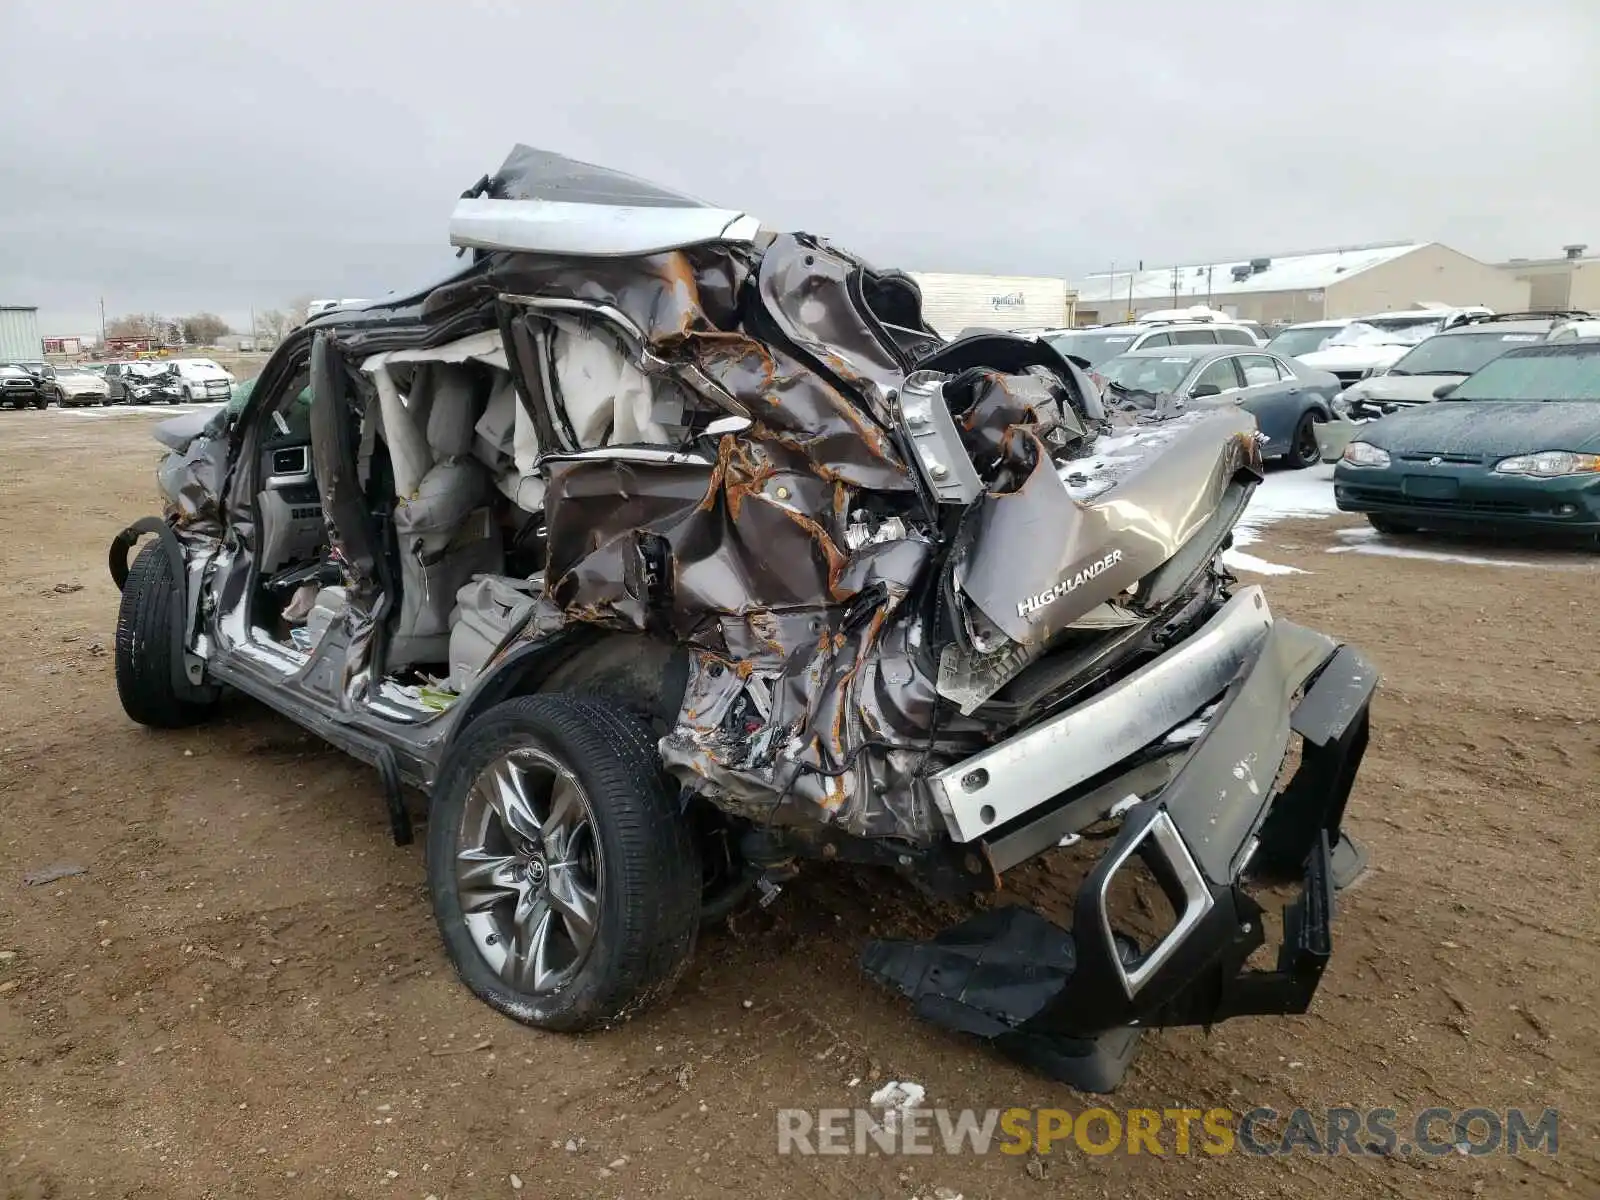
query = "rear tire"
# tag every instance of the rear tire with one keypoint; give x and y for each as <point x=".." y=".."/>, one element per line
<point x="523" y="952"/>
<point x="1385" y="524"/>
<point x="146" y="648"/>
<point x="1303" y="451"/>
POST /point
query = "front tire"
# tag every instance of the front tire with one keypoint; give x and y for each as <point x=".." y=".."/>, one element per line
<point x="564" y="877"/>
<point x="1385" y="524"/>
<point x="147" y="647"/>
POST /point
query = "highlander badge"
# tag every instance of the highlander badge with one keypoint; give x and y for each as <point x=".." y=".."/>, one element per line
<point x="1070" y="583"/>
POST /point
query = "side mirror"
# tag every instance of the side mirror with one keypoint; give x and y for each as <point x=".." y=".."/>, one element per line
<point x="1201" y="390"/>
<point x="1443" y="391"/>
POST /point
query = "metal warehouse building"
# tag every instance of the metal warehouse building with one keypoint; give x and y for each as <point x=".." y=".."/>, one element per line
<point x="951" y="303"/>
<point x="19" y="333"/>
<point x="1307" y="286"/>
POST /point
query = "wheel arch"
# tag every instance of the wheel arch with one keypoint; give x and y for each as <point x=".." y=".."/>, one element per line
<point x="649" y="674"/>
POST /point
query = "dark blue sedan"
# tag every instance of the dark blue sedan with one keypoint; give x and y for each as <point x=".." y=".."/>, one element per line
<point x="1515" y="447"/>
<point x="1287" y="398"/>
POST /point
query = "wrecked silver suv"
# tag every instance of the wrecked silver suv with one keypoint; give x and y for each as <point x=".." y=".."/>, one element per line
<point x="664" y="552"/>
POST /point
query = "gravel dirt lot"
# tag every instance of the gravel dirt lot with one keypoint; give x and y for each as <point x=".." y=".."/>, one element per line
<point x="243" y="994"/>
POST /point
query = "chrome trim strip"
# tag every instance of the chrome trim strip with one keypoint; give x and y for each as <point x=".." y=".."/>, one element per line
<point x="1007" y="780"/>
<point x="1196" y="900"/>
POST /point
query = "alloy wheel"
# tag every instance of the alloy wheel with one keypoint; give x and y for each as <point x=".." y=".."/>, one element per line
<point x="529" y="870"/>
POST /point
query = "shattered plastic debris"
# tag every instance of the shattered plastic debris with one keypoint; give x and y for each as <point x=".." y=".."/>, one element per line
<point x="52" y="873"/>
<point x="895" y="1099"/>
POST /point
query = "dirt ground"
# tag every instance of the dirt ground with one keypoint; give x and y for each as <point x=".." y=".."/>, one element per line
<point x="243" y="994"/>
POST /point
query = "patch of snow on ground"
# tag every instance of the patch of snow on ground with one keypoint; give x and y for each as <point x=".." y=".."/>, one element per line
<point x="1282" y="495"/>
<point x="1370" y="541"/>
<point x="1238" y="560"/>
<point x="130" y="410"/>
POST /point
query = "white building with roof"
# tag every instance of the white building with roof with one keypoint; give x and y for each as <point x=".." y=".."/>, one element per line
<point x="1308" y="286"/>
<point x="1569" y="282"/>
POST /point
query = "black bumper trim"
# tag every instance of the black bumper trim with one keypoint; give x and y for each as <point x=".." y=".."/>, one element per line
<point x="1060" y="1002"/>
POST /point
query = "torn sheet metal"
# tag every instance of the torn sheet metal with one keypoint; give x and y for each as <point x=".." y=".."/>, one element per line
<point x="834" y="593"/>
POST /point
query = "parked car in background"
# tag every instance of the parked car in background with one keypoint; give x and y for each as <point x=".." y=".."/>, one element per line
<point x="317" y="307"/>
<point x="202" y="379"/>
<point x="1303" y="338"/>
<point x="1573" y="328"/>
<point x="45" y="376"/>
<point x="1444" y="358"/>
<point x="1095" y="346"/>
<point x="1287" y="399"/>
<point x="1514" y="447"/>
<point x="19" y="388"/>
<point x="1369" y="344"/>
<point x="77" y="386"/>
<point x="142" y="383"/>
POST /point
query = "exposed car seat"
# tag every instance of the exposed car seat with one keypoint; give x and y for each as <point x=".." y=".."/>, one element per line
<point x="445" y="527"/>
<point x="456" y="433"/>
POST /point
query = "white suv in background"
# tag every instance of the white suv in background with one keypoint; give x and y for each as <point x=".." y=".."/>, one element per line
<point x="1096" y="346"/>
<point x="202" y="379"/>
<point x="1368" y="345"/>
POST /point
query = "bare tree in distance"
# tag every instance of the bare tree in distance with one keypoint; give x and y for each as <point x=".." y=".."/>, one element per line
<point x="204" y="328"/>
<point x="146" y="327"/>
<point x="162" y="331"/>
<point x="274" y="324"/>
<point x="297" y="310"/>
<point x="126" y="327"/>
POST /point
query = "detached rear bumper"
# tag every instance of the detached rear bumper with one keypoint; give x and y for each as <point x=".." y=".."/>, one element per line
<point x="1203" y="818"/>
<point x="1333" y="436"/>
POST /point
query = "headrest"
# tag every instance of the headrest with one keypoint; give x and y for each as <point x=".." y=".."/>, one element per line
<point x="454" y="410"/>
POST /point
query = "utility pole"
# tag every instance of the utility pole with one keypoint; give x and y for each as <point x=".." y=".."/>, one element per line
<point x="1208" y="287"/>
<point x="1130" y="289"/>
<point x="1174" y="287"/>
<point x="102" y="323"/>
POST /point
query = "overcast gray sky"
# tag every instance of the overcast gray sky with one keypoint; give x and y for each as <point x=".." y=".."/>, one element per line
<point x="172" y="158"/>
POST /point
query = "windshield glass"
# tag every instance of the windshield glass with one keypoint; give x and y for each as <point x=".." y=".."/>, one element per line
<point x="1144" y="373"/>
<point x="1096" y="345"/>
<point x="1459" y="353"/>
<point x="1560" y="372"/>
<point x="1295" y="342"/>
